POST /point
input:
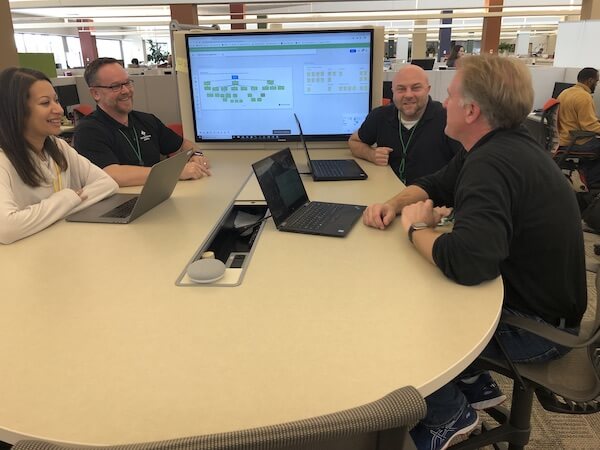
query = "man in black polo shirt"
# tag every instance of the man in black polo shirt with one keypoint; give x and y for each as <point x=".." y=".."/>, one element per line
<point x="124" y="142"/>
<point x="409" y="132"/>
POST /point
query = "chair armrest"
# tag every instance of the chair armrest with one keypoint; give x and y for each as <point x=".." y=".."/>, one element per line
<point x="549" y="332"/>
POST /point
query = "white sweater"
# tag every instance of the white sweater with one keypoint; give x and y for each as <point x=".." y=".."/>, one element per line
<point x="25" y="210"/>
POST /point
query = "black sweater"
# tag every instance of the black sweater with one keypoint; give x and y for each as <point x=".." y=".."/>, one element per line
<point x="515" y="215"/>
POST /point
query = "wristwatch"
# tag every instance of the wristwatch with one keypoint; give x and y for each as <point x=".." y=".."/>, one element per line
<point x="415" y="227"/>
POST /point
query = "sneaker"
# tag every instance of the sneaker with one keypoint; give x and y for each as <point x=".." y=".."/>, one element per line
<point x="440" y="438"/>
<point x="482" y="394"/>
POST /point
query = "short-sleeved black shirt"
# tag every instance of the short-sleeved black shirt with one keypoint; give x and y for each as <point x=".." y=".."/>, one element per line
<point x="104" y="141"/>
<point x="429" y="148"/>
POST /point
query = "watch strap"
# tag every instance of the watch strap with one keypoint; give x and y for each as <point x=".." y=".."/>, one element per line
<point x="415" y="227"/>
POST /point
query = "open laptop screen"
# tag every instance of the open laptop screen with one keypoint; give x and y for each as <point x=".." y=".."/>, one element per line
<point x="281" y="184"/>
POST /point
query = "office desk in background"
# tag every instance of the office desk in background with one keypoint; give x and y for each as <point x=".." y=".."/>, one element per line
<point x="100" y="347"/>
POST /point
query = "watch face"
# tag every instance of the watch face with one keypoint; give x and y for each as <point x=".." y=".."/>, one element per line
<point x="419" y="225"/>
<point x="415" y="227"/>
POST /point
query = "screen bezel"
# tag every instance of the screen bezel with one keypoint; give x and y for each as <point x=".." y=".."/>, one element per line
<point x="285" y="159"/>
<point x="294" y="135"/>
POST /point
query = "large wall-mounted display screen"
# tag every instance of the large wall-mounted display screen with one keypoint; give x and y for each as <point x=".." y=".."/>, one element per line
<point x="246" y="86"/>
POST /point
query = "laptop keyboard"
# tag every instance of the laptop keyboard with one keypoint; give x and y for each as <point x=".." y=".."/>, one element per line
<point x="123" y="210"/>
<point x="316" y="216"/>
<point x="328" y="168"/>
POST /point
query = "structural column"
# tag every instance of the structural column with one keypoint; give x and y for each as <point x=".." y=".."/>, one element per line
<point x="7" y="37"/>
<point x="445" y="37"/>
<point x="590" y="9"/>
<point x="237" y="11"/>
<point x="490" y="35"/>
<point x="419" y="39"/>
<point x="89" y="50"/>
<point x="185" y="13"/>
<point x="401" y="49"/>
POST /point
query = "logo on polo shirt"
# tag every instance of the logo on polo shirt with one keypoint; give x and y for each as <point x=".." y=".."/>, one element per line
<point x="145" y="136"/>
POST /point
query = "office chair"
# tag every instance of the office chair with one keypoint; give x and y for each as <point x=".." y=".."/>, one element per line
<point x="567" y="158"/>
<point x="550" y="123"/>
<point x="569" y="385"/>
<point x="389" y="417"/>
<point x="176" y="127"/>
<point x="80" y="111"/>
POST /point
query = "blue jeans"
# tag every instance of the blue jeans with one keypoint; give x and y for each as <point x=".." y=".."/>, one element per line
<point x="446" y="404"/>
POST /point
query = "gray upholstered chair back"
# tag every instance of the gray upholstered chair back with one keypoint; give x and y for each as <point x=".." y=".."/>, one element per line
<point x="391" y="416"/>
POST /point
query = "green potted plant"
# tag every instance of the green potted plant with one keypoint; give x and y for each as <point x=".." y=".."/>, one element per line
<point x="505" y="47"/>
<point x="156" y="53"/>
<point x="430" y="51"/>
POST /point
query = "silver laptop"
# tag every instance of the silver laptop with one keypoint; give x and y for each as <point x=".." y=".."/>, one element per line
<point x="125" y="208"/>
<point x="290" y="207"/>
<point x="331" y="169"/>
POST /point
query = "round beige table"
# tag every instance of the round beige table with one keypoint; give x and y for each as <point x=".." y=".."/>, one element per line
<point x="100" y="347"/>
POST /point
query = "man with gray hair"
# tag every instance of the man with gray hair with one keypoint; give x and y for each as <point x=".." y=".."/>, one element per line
<point x="509" y="200"/>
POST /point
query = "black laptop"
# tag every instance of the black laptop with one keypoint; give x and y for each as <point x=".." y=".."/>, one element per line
<point x="124" y="208"/>
<point x="290" y="207"/>
<point x="331" y="169"/>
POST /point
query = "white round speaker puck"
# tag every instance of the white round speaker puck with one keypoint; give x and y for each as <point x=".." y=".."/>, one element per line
<point x="206" y="270"/>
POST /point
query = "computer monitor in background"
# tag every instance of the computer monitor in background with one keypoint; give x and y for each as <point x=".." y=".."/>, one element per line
<point x="559" y="87"/>
<point x="67" y="96"/>
<point x="246" y="86"/>
<point x="387" y="90"/>
<point x="425" y="64"/>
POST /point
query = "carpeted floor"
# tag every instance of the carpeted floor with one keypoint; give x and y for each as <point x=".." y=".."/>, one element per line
<point x="551" y="431"/>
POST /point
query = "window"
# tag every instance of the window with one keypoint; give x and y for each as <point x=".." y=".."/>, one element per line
<point x="109" y="48"/>
<point x="74" y="56"/>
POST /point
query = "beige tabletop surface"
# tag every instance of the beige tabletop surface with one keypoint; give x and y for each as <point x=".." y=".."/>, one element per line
<point x="101" y="347"/>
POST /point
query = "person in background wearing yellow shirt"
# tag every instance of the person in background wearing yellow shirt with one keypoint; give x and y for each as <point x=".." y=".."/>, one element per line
<point x="578" y="112"/>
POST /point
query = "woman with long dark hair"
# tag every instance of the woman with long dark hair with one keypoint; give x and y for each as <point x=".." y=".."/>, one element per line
<point x="457" y="52"/>
<point x="42" y="178"/>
